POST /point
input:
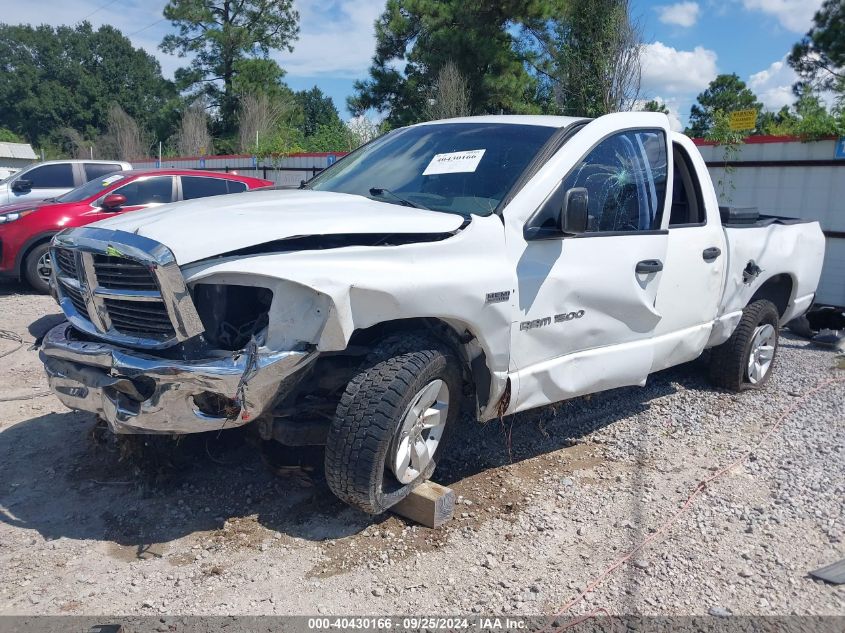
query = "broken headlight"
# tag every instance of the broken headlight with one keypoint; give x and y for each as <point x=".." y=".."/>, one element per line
<point x="232" y="314"/>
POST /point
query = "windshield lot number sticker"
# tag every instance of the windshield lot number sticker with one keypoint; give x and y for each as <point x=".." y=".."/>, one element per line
<point x="454" y="162"/>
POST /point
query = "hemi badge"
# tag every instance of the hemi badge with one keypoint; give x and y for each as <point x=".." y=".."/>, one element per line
<point x="498" y="297"/>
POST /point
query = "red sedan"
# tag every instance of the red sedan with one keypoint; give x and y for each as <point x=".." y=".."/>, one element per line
<point x="26" y="228"/>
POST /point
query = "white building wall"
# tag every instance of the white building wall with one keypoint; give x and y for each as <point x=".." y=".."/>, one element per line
<point x="815" y="192"/>
<point x="14" y="163"/>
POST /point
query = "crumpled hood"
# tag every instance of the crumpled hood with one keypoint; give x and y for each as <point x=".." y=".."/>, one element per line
<point x="197" y="229"/>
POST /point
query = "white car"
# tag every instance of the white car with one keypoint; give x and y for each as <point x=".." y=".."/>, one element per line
<point x="54" y="178"/>
<point x="497" y="263"/>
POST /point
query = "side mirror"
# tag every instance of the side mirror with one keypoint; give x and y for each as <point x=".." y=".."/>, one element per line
<point x="113" y="201"/>
<point x="22" y="185"/>
<point x="574" y="213"/>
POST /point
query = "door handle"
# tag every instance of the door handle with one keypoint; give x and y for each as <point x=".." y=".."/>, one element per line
<point x="647" y="266"/>
<point x="710" y="254"/>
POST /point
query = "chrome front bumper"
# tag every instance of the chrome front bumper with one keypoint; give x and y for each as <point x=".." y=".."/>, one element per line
<point x="140" y="393"/>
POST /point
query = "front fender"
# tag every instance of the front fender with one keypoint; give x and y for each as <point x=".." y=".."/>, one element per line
<point x="323" y="296"/>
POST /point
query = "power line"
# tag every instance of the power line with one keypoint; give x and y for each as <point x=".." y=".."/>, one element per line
<point x="146" y="27"/>
<point x="111" y="2"/>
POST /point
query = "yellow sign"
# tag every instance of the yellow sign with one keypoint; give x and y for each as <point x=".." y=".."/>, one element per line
<point x="743" y="120"/>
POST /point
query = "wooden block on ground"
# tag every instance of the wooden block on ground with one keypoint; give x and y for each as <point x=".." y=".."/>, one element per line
<point x="430" y="504"/>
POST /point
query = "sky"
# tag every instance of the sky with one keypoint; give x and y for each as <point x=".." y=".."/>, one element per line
<point x="687" y="43"/>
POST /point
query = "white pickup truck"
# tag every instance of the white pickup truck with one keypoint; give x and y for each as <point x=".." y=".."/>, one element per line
<point x="498" y="263"/>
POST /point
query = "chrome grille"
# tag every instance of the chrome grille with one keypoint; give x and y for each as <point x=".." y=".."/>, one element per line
<point x="66" y="261"/>
<point x="118" y="272"/>
<point x="137" y="318"/>
<point x="76" y="299"/>
<point x="123" y="287"/>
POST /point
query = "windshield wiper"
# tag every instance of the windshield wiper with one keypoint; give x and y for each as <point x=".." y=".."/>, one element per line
<point x="379" y="191"/>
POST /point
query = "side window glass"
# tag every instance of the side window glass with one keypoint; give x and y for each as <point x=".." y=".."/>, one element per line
<point x="98" y="170"/>
<point x="236" y="187"/>
<point x="625" y="179"/>
<point x="158" y="190"/>
<point x="199" y="187"/>
<point x="51" y="176"/>
<point x="687" y="202"/>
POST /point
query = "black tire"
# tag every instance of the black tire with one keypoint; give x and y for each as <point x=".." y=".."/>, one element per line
<point x="30" y="268"/>
<point x="369" y="416"/>
<point x="729" y="361"/>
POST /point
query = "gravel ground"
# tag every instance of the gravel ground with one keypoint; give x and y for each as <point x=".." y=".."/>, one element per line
<point x="548" y="500"/>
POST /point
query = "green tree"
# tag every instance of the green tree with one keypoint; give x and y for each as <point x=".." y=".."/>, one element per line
<point x="655" y="106"/>
<point x="260" y="77"/>
<point x="809" y="118"/>
<point x="219" y="35"/>
<point x="263" y="119"/>
<point x="283" y="140"/>
<point x="819" y="58"/>
<point x="416" y="38"/>
<point x="589" y="54"/>
<point x="729" y="141"/>
<point x="7" y="136"/>
<point x="68" y="77"/>
<point x="318" y="110"/>
<point x="726" y="94"/>
<point x="332" y="137"/>
<point x="265" y="104"/>
<point x="780" y="123"/>
<point x="814" y="119"/>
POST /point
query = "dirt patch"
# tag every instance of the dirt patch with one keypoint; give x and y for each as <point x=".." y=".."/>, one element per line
<point x="128" y="554"/>
<point x="240" y="532"/>
<point x="495" y="494"/>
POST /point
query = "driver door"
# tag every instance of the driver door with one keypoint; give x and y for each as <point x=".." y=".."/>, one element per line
<point x="587" y="308"/>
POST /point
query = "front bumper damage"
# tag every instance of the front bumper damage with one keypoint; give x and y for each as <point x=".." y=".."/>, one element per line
<point x="141" y="393"/>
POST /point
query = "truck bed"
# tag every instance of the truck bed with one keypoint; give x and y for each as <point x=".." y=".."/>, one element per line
<point x="765" y="220"/>
<point x="758" y="250"/>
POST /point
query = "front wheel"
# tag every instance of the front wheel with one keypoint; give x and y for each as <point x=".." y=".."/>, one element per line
<point x="746" y="359"/>
<point x="37" y="268"/>
<point x="390" y="426"/>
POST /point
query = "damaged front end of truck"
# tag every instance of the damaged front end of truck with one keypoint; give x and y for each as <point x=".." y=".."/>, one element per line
<point x="144" y="354"/>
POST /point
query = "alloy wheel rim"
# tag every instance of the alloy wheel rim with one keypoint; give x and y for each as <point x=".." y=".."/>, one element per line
<point x="44" y="267"/>
<point x="422" y="429"/>
<point x="762" y="352"/>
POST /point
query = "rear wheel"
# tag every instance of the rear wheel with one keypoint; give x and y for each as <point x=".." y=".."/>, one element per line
<point x="390" y="426"/>
<point x="746" y="359"/>
<point x="37" y="268"/>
